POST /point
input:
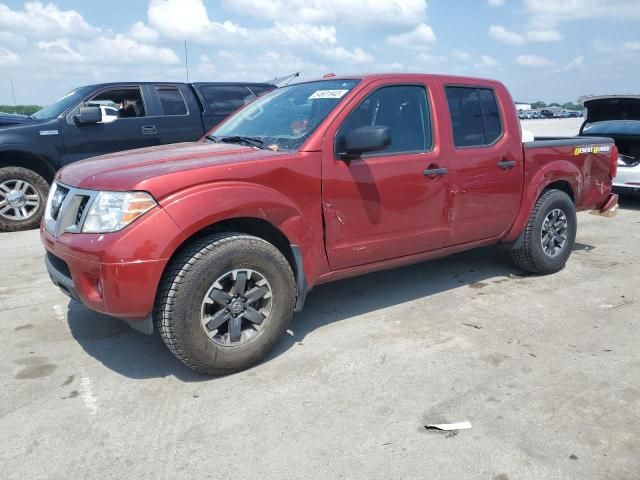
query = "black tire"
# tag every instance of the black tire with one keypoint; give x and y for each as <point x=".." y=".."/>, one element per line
<point x="528" y="252"/>
<point x="37" y="184"/>
<point x="188" y="280"/>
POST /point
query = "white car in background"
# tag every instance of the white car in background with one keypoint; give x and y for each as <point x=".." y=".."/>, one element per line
<point x="109" y="114"/>
<point x="618" y="117"/>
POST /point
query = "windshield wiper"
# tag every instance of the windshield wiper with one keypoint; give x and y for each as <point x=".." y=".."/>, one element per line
<point x="254" y="142"/>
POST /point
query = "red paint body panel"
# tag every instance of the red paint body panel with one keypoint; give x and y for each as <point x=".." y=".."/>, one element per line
<point x="346" y="218"/>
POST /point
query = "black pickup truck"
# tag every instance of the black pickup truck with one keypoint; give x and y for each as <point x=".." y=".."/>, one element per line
<point x="99" y="119"/>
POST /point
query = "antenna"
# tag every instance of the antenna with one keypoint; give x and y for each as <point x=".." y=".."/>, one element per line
<point x="13" y="93"/>
<point x="186" y="59"/>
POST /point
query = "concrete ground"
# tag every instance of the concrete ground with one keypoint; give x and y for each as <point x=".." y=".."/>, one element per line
<point x="546" y="369"/>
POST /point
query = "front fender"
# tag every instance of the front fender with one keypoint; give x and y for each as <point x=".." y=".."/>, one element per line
<point x="199" y="207"/>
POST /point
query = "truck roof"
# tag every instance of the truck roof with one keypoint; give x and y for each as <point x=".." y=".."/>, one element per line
<point x="115" y="84"/>
<point x="408" y="76"/>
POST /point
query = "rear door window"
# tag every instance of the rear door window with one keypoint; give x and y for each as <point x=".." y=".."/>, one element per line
<point x="475" y="116"/>
<point x="171" y="100"/>
<point x="226" y="99"/>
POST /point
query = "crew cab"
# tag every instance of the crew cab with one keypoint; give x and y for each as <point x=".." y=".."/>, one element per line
<point x="98" y="119"/>
<point x="216" y="243"/>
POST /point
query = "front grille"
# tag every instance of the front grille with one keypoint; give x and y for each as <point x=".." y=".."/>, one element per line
<point x="81" y="208"/>
<point x="66" y="209"/>
<point x="59" y="195"/>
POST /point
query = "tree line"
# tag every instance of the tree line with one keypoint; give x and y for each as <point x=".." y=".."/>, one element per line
<point x="20" y="109"/>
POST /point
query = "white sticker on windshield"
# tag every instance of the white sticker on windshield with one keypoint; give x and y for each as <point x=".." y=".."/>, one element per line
<point x="328" y="94"/>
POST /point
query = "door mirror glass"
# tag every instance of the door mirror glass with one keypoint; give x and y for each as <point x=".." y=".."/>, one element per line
<point x="88" y="116"/>
<point x="367" y="139"/>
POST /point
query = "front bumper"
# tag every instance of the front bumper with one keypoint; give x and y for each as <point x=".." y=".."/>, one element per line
<point x="116" y="273"/>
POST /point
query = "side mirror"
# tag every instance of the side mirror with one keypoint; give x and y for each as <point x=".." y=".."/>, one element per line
<point x="366" y="139"/>
<point x="88" y="116"/>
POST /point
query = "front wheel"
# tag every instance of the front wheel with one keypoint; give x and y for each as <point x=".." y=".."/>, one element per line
<point x="224" y="302"/>
<point x="547" y="241"/>
<point x="23" y="195"/>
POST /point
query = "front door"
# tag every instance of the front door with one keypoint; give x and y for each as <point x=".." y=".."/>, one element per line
<point x="131" y="128"/>
<point x="382" y="205"/>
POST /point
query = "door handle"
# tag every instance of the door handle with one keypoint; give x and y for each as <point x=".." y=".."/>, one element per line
<point x="149" y="130"/>
<point x="505" y="164"/>
<point x="435" y="172"/>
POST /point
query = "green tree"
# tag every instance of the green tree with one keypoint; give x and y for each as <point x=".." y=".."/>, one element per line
<point x="539" y="104"/>
<point x="20" y="109"/>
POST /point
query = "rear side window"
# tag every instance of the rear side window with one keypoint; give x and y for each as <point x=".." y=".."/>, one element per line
<point x="475" y="117"/>
<point x="171" y="101"/>
<point x="226" y="99"/>
<point x="403" y="108"/>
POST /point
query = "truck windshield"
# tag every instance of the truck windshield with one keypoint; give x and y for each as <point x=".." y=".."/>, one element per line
<point x="61" y="105"/>
<point x="285" y="117"/>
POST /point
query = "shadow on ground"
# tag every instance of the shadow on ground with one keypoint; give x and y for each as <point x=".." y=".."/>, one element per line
<point x="135" y="355"/>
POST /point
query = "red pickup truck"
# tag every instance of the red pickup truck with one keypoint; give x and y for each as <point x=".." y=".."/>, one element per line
<point x="218" y="242"/>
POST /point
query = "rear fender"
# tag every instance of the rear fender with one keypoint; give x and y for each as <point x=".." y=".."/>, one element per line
<point x="199" y="207"/>
<point x="534" y="185"/>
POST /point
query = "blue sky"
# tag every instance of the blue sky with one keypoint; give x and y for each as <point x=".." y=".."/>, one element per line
<point x="541" y="49"/>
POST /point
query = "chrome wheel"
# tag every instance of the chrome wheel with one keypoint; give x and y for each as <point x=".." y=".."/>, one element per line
<point x="19" y="200"/>
<point x="236" y="307"/>
<point x="554" y="232"/>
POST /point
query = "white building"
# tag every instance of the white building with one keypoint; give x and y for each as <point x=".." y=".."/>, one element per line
<point x="523" y="106"/>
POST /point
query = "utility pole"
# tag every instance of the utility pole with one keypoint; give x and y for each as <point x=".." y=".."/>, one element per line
<point x="13" y="93"/>
<point x="186" y="60"/>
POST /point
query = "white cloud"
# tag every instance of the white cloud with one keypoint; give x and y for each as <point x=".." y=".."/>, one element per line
<point x="549" y="13"/>
<point x="189" y="20"/>
<point x="44" y="21"/>
<point x="139" y="31"/>
<point x="495" y="3"/>
<point x="60" y="51"/>
<point x="123" y="50"/>
<point x="352" y="12"/>
<point x="631" y="47"/>
<point x="487" y="61"/>
<point x="461" y="55"/>
<point x="7" y="57"/>
<point x="498" y="32"/>
<point x="544" y="36"/>
<point x="236" y="65"/>
<point x="419" y="38"/>
<point x="576" y="63"/>
<point x="533" y="61"/>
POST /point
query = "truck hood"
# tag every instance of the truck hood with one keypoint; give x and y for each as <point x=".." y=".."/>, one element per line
<point x="163" y="169"/>
<point x="7" y="120"/>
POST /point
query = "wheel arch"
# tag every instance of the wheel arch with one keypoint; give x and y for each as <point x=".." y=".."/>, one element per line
<point x="260" y="228"/>
<point x="32" y="161"/>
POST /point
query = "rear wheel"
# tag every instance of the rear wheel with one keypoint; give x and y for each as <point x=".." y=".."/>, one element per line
<point x="23" y="194"/>
<point x="224" y="302"/>
<point x="547" y="241"/>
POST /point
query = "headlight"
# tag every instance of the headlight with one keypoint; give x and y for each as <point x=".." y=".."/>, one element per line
<point x="112" y="211"/>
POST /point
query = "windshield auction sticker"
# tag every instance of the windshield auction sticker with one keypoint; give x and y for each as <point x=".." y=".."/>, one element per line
<point x="328" y="94"/>
<point x="592" y="149"/>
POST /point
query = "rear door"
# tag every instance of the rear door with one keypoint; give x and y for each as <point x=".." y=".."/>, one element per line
<point x="178" y="117"/>
<point x="382" y="205"/>
<point x="222" y="99"/>
<point x="486" y="163"/>
<point x="134" y="127"/>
